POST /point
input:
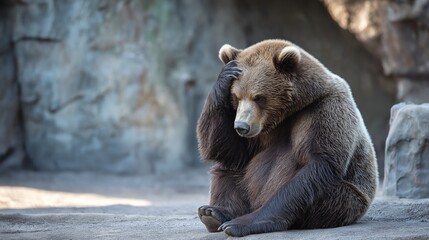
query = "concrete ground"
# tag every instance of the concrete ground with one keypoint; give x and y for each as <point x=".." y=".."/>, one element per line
<point x="36" y="205"/>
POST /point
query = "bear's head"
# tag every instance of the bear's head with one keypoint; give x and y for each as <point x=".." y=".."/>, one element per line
<point x="269" y="88"/>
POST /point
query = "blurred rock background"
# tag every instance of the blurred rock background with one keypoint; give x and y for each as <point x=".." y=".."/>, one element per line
<point x="117" y="86"/>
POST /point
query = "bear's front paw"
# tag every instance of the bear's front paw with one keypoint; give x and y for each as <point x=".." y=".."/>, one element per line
<point x="238" y="227"/>
<point x="221" y="89"/>
<point x="230" y="72"/>
<point x="211" y="217"/>
<point x="248" y="224"/>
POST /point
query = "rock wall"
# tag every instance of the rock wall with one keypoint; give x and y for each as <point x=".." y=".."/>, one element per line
<point x="117" y="86"/>
<point x="11" y="152"/>
<point x="407" y="152"/>
<point x="406" y="55"/>
<point x="94" y="88"/>
<point x="396" y="32"/>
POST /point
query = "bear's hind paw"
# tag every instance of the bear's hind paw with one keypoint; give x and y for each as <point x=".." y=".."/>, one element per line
<point x="211" y="217"/>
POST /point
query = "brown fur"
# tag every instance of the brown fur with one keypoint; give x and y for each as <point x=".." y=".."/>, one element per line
<point x="312" y="163"/>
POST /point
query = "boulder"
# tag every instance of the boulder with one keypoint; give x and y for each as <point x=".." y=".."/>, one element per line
<point x="407" y="152"/>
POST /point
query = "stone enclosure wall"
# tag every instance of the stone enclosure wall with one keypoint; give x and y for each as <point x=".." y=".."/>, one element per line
<point x="117" y="86"/>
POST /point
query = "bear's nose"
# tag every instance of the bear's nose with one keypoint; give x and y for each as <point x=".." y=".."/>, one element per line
<point x="241" y="127"/>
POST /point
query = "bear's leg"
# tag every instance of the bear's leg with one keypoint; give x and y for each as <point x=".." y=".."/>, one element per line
<point x="312" y="198"/>
<point x="227" y="199"/>
<point x="339" y="206"/>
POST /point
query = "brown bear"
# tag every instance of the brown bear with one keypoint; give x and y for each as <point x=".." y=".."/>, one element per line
<point x="289" y="145"/>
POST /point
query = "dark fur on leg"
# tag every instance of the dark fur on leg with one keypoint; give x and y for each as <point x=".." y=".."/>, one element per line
<point x="288" y="204"/>
<point x="227" y="199"/>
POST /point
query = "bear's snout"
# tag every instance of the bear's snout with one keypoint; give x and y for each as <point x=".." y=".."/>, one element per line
<point x="242" y="128"/>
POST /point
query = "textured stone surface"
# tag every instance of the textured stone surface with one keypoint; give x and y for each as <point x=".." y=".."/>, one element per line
<point x="117" y="86"/>
<point x="407" y="152"/>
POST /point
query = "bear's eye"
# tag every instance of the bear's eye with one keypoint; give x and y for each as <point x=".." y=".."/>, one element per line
<point x="260" y="100"/>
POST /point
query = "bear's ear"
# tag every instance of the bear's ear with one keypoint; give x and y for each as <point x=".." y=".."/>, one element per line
<point x="228" y="53"/>
<point x="287" y="59"/>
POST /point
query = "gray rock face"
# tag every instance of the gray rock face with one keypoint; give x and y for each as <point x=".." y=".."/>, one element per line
<point x="11" y="152"/>
<point x="397" y="33"/>
<point x="406" y="55"/>
<point x="112" y="86"/>
<point x="117" y="86"/>
<point x="407" y="152"/>
<point x="95" y="95"/>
